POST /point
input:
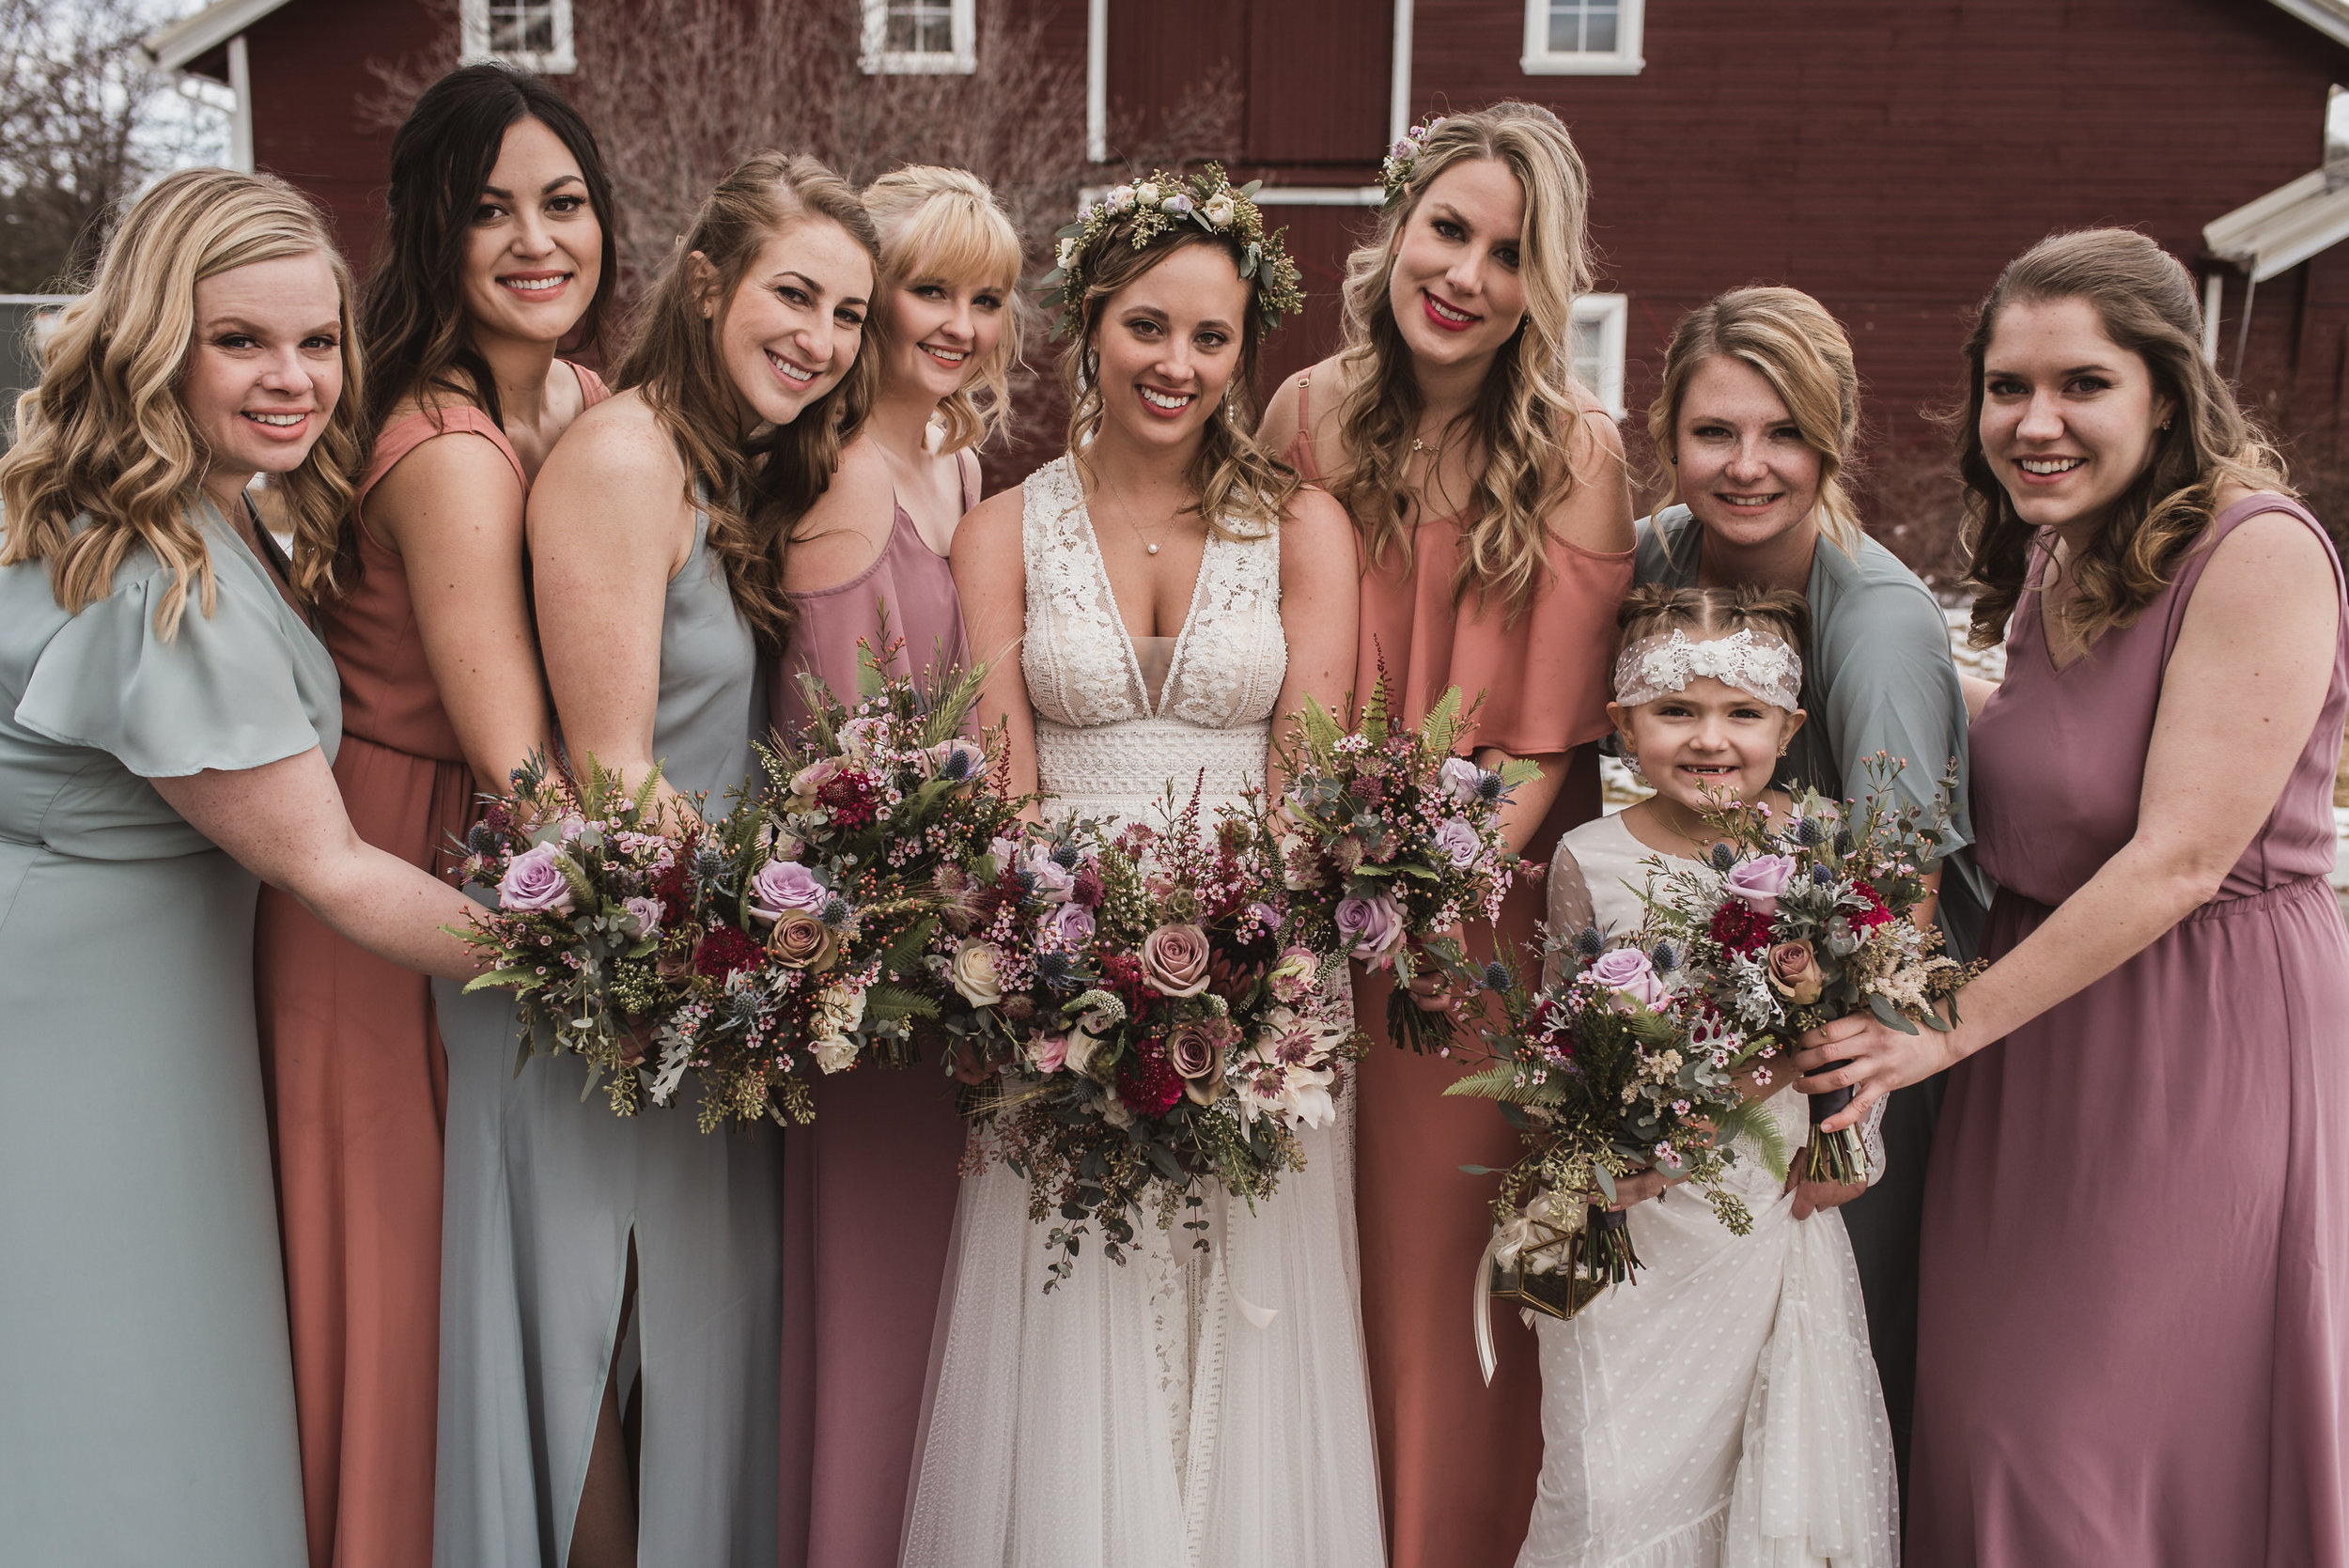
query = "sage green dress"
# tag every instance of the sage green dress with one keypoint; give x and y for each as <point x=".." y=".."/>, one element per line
<point x="147" y="1407"/>
<point x="544" y="1188"/>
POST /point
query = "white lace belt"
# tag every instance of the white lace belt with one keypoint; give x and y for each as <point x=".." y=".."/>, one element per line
<point x="1122" y="769"/>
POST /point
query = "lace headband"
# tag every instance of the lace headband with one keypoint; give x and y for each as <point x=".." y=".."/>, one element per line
<point x="1756" y="663"/>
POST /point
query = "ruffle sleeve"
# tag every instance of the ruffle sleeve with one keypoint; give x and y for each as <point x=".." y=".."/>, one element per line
<point x="1547" y="679"/>
<point x="220" y="694"/>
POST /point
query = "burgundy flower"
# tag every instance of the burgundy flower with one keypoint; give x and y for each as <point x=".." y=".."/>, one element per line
<point x="1740" y="928"/>
<point x="1088" y="889"/>
<point x="1876" y="914"/>
<point x="850" y="799"/>
<point x="1146" y="1081"/>
<point x="725" y="951"/>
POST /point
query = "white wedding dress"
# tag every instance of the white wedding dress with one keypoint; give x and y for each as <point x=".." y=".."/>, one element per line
<point x="1184" y="1409"/>
<point x="1723" y="1411"/>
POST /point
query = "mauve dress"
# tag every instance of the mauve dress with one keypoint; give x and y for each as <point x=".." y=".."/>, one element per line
<point x="357" y="1078"/>
<point x="869" y="1187"/>
<point x="2136" y="1276"/>
<point x="1458" y="1459"/>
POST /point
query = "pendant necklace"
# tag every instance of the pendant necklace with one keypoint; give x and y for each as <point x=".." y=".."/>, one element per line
<point x="1127" y="512"/>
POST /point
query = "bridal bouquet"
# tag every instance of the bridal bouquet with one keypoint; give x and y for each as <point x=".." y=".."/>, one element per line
<point x="1394" y="842"/>
<point x="824" y="895"/>
<point x="1798" y="922"/>
<point x="1617" y="1067"/>
<point x="1147" y="1026"/>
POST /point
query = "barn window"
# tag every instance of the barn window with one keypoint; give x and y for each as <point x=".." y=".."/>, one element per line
<point x="1582" y="37"/>
<point x="532" y="34"/>
<point x="909" y="38"/>
<point x="1598" y="345"/>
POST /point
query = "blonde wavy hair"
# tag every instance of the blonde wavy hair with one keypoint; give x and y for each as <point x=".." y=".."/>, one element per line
<point x="104" y="435"/>
<point x="1788" y="339"/>
<point x="1233" y="476"/>
<point x="946" y="225"/>
<point x="1526" y="413"/>
<point x="759" y="484"/>
<point x="2145" y="299"/>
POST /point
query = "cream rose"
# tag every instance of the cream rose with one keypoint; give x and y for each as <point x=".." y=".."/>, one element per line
<point x="977" y="973"/>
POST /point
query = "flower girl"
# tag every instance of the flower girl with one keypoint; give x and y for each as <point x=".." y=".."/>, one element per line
<point x="1724" y="1409"/>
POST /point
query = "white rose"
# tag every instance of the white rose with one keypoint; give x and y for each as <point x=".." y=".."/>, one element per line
<point x="838" y="1009"/>
<point x="834" y="1052"/>
<point x="1221" y="210"/>
<point x="1121" y="197"/>
<point x="1067" y="252"/>
<point x="1115" y="1113"/>
<point x="977" y="973"/>
<point x="1147" y="193"/>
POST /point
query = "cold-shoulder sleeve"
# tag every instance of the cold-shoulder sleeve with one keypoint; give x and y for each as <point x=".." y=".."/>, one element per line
<point x="221" y="693"/>
<point x="1547" y="678"/>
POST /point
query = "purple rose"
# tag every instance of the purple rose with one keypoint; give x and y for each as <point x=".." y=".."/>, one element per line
<point x="534" y="882"/>
<point x="646" y="912"/>
<point x="1071" y="924"/>
<point x="1054" y="882"/>
<point x="1760" y="881"/>
<point x="1459" y="778"/>
<point x="1458" y="841"/>
<point x="782" y="885"/>
<point x="1629" y="973"/>
<point x="1373" y="927"/>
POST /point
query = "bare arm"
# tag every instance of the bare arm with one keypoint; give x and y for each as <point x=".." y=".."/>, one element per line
<point x="992" y="580"/>
<point x="452" y="511"/>
<point x="1320" y="610"/>
<point x="1978" y="693"/>
<point x="2241" y="695"/>
<point x="609" y="525"/>
<point x="285" y="823"/>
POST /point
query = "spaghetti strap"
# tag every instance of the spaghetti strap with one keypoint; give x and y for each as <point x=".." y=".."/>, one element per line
<point x="591" y="388"/>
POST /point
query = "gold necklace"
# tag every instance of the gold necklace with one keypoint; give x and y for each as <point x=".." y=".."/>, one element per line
<point x="1127" y="512"/>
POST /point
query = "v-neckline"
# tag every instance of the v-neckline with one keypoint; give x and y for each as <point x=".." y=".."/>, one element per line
<point x="1151" y="707"/>
<point x="2039" y="621"/>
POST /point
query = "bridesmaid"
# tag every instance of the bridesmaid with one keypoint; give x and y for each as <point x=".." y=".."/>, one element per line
<point x="582" y="1250"/>
<point x="1494" y="521"/>
<point x="167" y="726"/>
<point x="1755" y="422"/>
<point x="494" y="249"/>
<point x="883" y="1156"/>
<point x="2135" y="1270"/>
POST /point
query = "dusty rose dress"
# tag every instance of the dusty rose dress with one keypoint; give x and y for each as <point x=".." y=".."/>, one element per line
<point x="2134" y="1341"/>
<point x="357" y="1083"/>
<point x="869" y="1187"/>
<point x="1457" y="1461"/>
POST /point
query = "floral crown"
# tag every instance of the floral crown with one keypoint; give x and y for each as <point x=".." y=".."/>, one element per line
<point x="1395" y="170"/>
<point x="1161" y="208"/>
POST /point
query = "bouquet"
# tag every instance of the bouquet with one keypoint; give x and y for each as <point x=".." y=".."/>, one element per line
<point x="591" y="895"/>
<point x="825" y="895"/>
<point x="1798" y="922"/>
<point x="1393" y="842"/>
<point x="1148" y="1026"/>
<point x="1609" y="1070"/>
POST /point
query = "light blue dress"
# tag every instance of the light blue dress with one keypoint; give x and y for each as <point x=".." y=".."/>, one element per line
<point x="146" y="1405"/>
<point x="542" y="1193"/>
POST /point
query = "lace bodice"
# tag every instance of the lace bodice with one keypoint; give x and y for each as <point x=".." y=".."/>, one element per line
<point x="1228" y="659"/>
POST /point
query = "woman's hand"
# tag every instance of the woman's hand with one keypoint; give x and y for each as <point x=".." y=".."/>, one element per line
<point x="1877" y="1059"/>
<point x="1638" y="1187"/>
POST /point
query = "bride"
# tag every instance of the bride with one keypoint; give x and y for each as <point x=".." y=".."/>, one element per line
<point x="1169" y="589"/>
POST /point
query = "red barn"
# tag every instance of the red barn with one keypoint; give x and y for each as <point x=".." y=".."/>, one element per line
<point x="1887" y="157"/>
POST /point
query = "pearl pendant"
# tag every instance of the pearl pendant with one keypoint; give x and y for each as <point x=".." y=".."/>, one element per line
<point x="1154" y="550"/>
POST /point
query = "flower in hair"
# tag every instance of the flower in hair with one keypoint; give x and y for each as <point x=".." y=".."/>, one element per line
<point x="1164" y="207"/>
<point x="1395" y="171"/>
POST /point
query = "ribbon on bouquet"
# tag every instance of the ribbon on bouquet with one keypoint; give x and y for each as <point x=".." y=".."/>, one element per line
<point x="1508" y="1241"/>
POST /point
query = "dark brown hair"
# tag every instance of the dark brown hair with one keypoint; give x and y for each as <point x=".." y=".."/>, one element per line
<point x="759" y="484"/>
<point x="412" y="326"/>
<point x="2145" y="298"/>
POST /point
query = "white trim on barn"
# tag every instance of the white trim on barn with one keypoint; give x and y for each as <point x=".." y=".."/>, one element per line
<point x="177" y="46"/>
<point x="2282" y="228"/>
<point x="476" y="21"/>
<point x="1607" y="34"/>
<point x="1399" y="80"/>
<point x="959" y="58"/>
<point x="1601" y="323"/>
<point x="1098" y="81"/>
<point x="2329" y="17"/>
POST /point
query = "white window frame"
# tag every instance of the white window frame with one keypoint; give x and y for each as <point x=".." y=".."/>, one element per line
<point x="878" y="60"/>
<point x="473" y="20"/>
<point x="1611" y="314"/>
<point x="1541" y="60"/>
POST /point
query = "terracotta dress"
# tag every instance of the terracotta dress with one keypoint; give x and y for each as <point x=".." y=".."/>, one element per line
<point x="357" y="1083"/>
<point x="2134" y="1341"/>
<point x="869" y="1187"/>
<point x="1458" y="1459"/>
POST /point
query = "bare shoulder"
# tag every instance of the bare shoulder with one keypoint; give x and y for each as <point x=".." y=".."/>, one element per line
<point x="1315" y="524"/>
<point x="990" y="531"/>
<point x="1281" y="416"/>
<point x="617" y="440"/>
<point x="1593" y="444"/>
<point x="862" y="495"/>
